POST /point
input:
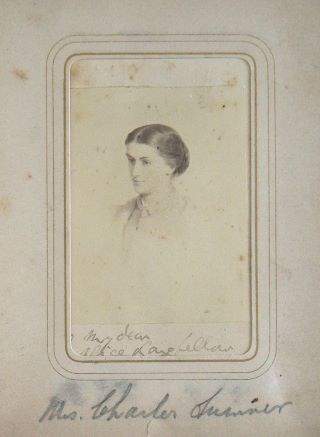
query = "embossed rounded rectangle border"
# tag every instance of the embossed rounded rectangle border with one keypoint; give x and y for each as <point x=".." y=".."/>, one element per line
<point x="192" y="361"/>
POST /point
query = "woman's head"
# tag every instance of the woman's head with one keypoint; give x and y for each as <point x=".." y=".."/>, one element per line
<point x="156" y="153"/>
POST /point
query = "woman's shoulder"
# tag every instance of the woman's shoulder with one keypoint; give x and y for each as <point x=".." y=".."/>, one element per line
<point x="126" y="209"/>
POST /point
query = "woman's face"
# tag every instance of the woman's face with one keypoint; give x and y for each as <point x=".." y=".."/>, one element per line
<point x="148" y="170"/>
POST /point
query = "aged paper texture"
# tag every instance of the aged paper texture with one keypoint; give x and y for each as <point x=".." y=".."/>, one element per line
<point x="193" y="247"/>
<point x="171" y="291"/>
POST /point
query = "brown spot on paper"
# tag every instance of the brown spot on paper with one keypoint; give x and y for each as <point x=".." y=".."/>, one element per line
<point x="132" y="71"/>
<point x="20" y="74"/>
<point x="170" y="65"/>
<point x="75" y="71"/>
<point x="29" y="175"/>
<point x="232" y="82"/>
<point x="5" y="204"/>
<point x="241" y="258"/>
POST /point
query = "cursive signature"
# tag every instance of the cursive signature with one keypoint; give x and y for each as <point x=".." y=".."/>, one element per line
<point x="205" y="408"/>
<point x="112" y="406"/>
<point x="116" y="405"/>
<point x="56" y="411"/>
<point x="117" y="411"/>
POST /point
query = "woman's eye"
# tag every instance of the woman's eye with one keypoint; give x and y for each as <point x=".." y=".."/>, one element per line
<point x="145" y="162"/>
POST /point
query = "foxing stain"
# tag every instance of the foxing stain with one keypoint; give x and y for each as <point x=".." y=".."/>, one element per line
<point x="20" y="74"/>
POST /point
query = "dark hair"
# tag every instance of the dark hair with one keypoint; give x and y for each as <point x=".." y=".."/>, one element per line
<point x="167" y="141"/>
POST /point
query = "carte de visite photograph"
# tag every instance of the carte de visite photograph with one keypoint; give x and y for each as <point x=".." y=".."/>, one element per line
<point x="161" y="207"/>
<point x="160" y="222"/>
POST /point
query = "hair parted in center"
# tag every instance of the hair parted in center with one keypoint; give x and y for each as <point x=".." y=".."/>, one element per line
<point x="167" y="141"/>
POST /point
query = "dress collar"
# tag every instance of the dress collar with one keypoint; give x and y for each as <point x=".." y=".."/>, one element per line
<point x="141" y="206"/>
<point x="173" y="202"/>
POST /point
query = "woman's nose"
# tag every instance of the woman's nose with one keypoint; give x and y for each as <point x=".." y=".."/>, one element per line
<point x="136" y="170"/>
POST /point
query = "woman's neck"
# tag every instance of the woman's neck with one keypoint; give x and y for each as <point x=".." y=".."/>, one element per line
<point x="159" y="200"/>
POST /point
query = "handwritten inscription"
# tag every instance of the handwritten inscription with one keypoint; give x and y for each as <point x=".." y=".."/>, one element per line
<point x="116" y="405"/>
<point x="129" y="342"/>
<point x="206" y="408"/>
<point x="56" y="411"/>
<point x="102" y="409"/>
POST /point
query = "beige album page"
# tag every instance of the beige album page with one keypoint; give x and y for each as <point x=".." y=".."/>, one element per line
<point x="159" y="217"/>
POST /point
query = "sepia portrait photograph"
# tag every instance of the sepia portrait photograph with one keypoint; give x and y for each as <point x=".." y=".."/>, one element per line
<point x="160" y="215"/>
<point x="160" y="209"/>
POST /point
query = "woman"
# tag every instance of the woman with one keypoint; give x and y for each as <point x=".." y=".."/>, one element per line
<point x="156" y="157"/>
<point x="169" y="253"/>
